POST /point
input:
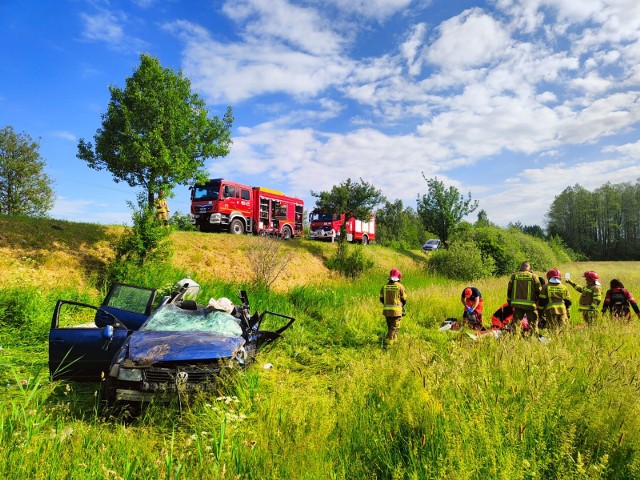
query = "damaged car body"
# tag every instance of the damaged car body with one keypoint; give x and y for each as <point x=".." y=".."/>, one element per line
<point x="179" y="347"/>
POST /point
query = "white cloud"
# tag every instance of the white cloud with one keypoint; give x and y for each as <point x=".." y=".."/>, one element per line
<point x="109" y="27"/>
<point x="300" y="28"/>
<point x="253" y="69"/>
<point x="103" y="26"/>
<point x="376" y="9"/>
<point x="471" y="39"/>
<point x="64" y="135"/>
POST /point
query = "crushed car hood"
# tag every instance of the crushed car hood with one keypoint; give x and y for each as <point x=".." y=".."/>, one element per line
<point x="150" y="347"/>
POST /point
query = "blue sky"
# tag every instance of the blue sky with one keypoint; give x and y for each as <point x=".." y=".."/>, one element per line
<point x="512" y="101"/>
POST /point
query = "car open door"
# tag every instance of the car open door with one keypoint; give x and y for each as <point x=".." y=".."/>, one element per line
<point x="78" y="348"/>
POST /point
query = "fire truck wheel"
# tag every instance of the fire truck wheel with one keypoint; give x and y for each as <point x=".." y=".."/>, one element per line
<point x="286" y="232"/>
<point x="365" y="240"/>
<point x="236" y="226"/>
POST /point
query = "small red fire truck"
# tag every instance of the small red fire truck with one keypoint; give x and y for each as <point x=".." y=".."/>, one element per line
<point x="220" y="205"/>
<point x="322" y="226"/>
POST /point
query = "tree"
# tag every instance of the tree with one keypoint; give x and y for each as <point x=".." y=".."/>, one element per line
<point x="399" y="226"/>
<point x="156" y="132"/>
<point x="24" y="187"/>
<point x="353" y="199"/>
<point x="442" y="210"/>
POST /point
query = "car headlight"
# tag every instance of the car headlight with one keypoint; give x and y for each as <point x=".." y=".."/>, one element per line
<point x="130" y="374"/>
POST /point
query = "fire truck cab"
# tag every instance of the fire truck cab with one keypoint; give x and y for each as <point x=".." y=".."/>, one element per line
<point x="322" y="224"/>
<point x="221" y="205"/>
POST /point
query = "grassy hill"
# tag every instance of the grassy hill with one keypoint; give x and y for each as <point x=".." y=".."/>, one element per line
<point x="51" y="253"/>
<point x="334" y="403"/>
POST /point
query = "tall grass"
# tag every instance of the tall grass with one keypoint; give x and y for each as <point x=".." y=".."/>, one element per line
<point x="328" y="401"/>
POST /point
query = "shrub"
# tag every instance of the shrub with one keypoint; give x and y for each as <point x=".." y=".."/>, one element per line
<point x="182" y="222"/>
<point x="268" y="260"/>
<point x="462" y="261"/>
<point x="143" y="243"/>
<point x="349" y="264"/>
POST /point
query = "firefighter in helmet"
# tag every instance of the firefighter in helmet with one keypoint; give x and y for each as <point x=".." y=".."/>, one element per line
<point x="393" y="297"/>
<point x="522" y="294"/>
<point x="554" y="299"/>
<point x="590" y="295"/>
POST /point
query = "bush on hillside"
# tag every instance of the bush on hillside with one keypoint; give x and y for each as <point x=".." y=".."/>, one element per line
<point x="463" y="260"/>
<point x="509" y="247"/>
<point x="349" y="264"/>
<point x="182" y="222"/>
<point x="268" y="259"/>
<point x="144" y="243"/>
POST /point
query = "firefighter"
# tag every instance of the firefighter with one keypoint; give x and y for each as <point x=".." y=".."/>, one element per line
<point x="393" y="297"/>
<point x="522" y="294"/>
<point x="471" y="299"/>
<point x="618" y="301"/>
<point x="590" y="295"/>
<point x="162" y="209"/>
<point x="554" y="299"/>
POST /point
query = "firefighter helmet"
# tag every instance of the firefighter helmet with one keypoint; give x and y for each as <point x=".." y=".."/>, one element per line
<point x="553" y="273"/>
<point x="591" y="276"/>
<point x="467" y="292"/>
<point x="395" y="274"/>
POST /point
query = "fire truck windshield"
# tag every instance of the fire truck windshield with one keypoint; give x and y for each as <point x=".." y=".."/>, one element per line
<point x="322" y="217"/>
<point x="208" y="191"/>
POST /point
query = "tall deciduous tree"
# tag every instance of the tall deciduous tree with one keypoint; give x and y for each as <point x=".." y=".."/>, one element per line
<point x="24" y="187"/>
<point x="353" y="199"/>
<point x="156" y="132"/>
<point x="442" y="209"/>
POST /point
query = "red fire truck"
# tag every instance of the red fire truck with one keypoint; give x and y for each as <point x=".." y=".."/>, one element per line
<point x="322" y="224"/>
<point x="223" y="205"/>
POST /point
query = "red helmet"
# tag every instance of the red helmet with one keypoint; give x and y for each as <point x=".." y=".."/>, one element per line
<point x="553" y="273"/>
<point x="395" y="273"/>
<point x="591" y="276"/>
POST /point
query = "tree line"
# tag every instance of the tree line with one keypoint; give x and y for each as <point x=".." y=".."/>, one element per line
<point x="601" y="225"/>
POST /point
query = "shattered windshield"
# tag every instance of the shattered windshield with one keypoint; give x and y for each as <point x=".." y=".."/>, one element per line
<point x="172" y="318"/>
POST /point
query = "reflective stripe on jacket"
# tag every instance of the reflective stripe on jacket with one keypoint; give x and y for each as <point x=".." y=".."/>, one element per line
<point x="523" y="290"/>
<point x="393" y="296"/>
<point x="555" y="295"/>
<point x="161" y="205"/>
<point x="590" y="296"/>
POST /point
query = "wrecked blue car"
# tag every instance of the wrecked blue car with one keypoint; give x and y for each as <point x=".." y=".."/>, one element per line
<point x="142" y="352"/>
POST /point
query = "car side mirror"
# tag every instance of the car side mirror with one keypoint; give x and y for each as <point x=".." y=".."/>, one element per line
<point x="107" y="335"/>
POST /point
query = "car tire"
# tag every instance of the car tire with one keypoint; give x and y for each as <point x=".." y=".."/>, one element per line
<point x="365" y="240"/>
<point x="286" y="232"/>
<point x="236" y="226"/>
<point x="108" y="392"/>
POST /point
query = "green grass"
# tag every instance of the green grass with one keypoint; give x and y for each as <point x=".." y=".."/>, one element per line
<point x="336" y="404"/>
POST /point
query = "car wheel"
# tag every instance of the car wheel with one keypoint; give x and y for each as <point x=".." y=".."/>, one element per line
<point x="108" y="391"/>
<point x="365" y="240"/>
<point x="286" y="232"/>
<point x="236" y="226"/>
